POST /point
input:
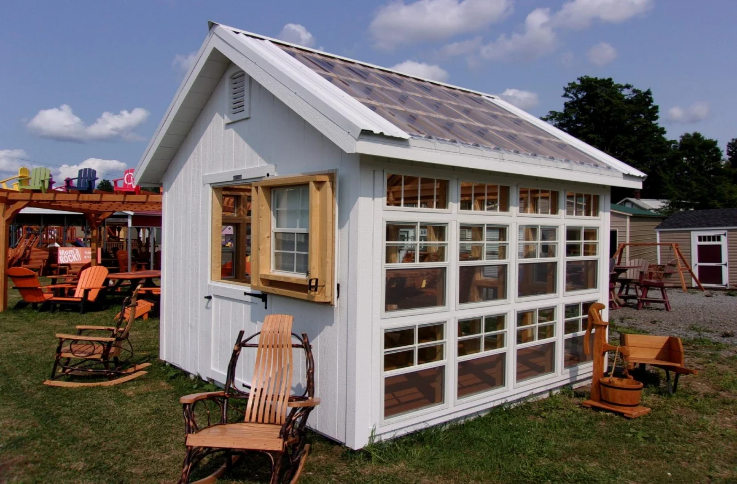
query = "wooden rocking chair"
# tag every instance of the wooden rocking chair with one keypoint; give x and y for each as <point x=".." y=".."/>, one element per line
<point x="83" y="354"/>
<point x="274" y="422"/>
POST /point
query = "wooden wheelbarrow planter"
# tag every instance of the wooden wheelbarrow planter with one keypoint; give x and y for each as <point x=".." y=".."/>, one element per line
<point x="664" y="352"/>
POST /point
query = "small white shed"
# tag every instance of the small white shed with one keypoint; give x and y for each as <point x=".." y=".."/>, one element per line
<point x="439" y="246"/>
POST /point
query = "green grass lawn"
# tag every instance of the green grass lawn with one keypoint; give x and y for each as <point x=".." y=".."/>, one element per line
<point x="134" y="432"/>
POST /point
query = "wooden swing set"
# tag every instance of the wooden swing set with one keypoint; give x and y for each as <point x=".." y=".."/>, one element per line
<point x="681" y="265"/>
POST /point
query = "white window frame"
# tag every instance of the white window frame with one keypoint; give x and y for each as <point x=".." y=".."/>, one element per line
<point x="581" y="257"/>
<point x="537" y="186"/>
<point x="450" y="200"/>
<point x="485" y="211"/>
<point x="481" y="354"/>
<point x="583" y="209"/>
<point x="537" y="342"/>
<point x="483" y="262"/>
<point x="519" y="261"/>
<point x="446" y="341"/>
<point x="581" y="331"/>
<point x="295" y="231"/>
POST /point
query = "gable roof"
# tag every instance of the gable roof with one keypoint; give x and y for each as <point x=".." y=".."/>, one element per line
<point x="701" y="219"/>
<point x="645" y="203"/>
<point x="372" y="110"/>
<point x="634" y="211"/>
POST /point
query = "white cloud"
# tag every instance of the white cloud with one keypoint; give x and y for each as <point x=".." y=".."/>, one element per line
<point x="602" y="54"/>
<point x="420" y="69"/>
<point x="105" y="169"/>
<point x="296" y="34"/>
<point x="184" y="62"/>
<point x="579" y="14"/>
<point x="429" y="20"/>
<point x="464" y="47"/>
<point x="694" y="113"/>
<point x="537" y="39"/>
<point x="522" y="99"/>
<point x="11" y="160"/>
<point x="62" y="124"/>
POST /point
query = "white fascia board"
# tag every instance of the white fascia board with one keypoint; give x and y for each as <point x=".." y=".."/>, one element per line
<point x="491" y="161"/>
<point x="327" y="98"/>
<point x="573" y="141"/>
<point x="696" y="229"/>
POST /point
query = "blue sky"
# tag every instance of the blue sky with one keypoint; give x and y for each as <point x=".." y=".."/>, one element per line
<point x="65" y="64"/>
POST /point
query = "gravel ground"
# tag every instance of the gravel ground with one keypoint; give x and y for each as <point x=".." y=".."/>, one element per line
<point x="711" y="315"/>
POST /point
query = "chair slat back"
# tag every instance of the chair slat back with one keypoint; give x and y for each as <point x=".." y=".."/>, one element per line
<point x="86" y="179"/>
<point x="128" y="315"/>
<point x="128" y="179"/>
<point x="40" y="178"/>
<point x="89" y="278"/>
<point x="27" y="283"/>
<point x="634" y="274"/>
<point x="122" y="256"/>
<point x="272" y="375"/>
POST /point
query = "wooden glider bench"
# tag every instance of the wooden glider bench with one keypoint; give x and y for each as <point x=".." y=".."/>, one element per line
<point x="664" y="352"/>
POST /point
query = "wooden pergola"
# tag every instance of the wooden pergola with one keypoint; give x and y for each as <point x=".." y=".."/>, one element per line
<point x="95" y="207"/>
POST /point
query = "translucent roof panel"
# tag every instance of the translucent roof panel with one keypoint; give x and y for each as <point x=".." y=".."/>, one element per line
<point x="428" y="110"/>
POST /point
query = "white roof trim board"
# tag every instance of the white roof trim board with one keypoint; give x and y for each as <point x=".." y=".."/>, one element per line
<point x="346" y="121"/>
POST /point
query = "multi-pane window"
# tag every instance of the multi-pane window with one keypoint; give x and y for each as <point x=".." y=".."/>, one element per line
<point x="416" y="192"/>
<point x="484" y="197"/>
<point x="414" y="368"/>
<point x="582" y="251"/>
<point x="480" y="275"/>
<point x="535" y="338"/>
<point x="582" y="204"/>
<point x="416" y="265"/>
<point x="537" y="245"/>
<point x="538" y="201"/>
<point x="576" y="320"/>
<point x="232" y="233"/>
<point x="291" y="229"/>
<point x="481" y="354"/>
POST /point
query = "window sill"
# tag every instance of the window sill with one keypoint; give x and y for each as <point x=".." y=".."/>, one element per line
<point x="288" y="279"/>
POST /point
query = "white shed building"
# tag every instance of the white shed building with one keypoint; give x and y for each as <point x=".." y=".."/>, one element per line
<point x="438" y="245"/>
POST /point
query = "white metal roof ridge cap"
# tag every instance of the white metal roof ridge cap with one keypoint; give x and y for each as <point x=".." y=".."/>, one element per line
<point x="167" y="119"/>
<point x="575" y="142"/>
<point x="348" y="59"/>
<point x="329" y="93"/>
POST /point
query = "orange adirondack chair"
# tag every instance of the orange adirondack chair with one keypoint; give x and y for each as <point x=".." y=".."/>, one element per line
<point x="26" y="282"/>
<point x="274" y="421"/>
<point x="91" y="283"/>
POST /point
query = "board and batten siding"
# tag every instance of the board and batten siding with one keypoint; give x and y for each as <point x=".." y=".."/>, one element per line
<point x="197" y="334"/>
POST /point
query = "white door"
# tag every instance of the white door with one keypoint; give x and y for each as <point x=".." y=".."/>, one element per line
<point x="709" y="257"/>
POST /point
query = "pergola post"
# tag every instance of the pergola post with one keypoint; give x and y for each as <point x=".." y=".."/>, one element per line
<point x="95" y="220"/>
<point x="8" y="212"/>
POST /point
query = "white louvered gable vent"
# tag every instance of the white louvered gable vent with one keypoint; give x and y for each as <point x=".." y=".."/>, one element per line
<point x="239" y="96"/>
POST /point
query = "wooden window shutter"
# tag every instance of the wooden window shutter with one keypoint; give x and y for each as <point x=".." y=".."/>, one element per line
<point x="318" y="285"/>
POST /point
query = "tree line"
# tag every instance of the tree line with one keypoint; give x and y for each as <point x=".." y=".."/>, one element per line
<point x="622" y="121"/>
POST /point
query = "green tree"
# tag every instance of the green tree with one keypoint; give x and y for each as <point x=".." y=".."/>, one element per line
<point x="621" y="121"/>
<point x="700" y="177"/>
<point x="105" y="186"/>
<point x="732" y="153"/>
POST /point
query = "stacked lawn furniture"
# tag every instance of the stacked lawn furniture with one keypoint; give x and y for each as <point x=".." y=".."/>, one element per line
<point x="657" y="277"/>
<point x="83" y="183"/>
<point x="98" y="351"/>
<point x="264" y="418"/>
<point x="23" y="175"/>
<point x="126" y="185"/>
<point x="27" y="284"/>
<point x="664" y="352"/>
<point x="39" y="179"/>
<point x="86" y="292"/>
<point x="629" y="282"/>
<point x="36" y="260"/>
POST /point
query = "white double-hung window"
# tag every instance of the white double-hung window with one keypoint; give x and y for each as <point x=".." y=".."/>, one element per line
<point x="290" y="229"/>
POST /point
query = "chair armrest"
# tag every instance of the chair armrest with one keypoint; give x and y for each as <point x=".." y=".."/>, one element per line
<point x="196" y="397"/>
<point x="312" y="402"/>
<point x="100" y="328"/>
<point x="78" y="337"/>
<point x="58" y="286"/>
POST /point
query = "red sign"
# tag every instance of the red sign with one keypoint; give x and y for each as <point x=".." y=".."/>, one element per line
<point x="74" y="255"/>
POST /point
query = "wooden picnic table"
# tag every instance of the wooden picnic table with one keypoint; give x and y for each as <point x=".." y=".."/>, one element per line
<point x="145" y="277"/>
<point x="614" y="300"/>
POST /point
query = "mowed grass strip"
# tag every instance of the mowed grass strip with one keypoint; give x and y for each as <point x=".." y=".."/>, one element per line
<point x="134" y="432"/>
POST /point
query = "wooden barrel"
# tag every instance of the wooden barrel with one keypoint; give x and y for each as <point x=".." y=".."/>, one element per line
<point x="621" y="391"/>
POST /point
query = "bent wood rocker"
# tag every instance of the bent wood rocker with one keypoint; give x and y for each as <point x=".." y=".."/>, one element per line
<point x="27" y="284"/>
<point x="272" y="422"/>
<point x="86" y="354"/>
<point x="87" y="291"/>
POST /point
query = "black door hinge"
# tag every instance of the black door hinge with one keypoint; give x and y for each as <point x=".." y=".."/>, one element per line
<point x="261" y="295"/>
<point x="337" y="291"/>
